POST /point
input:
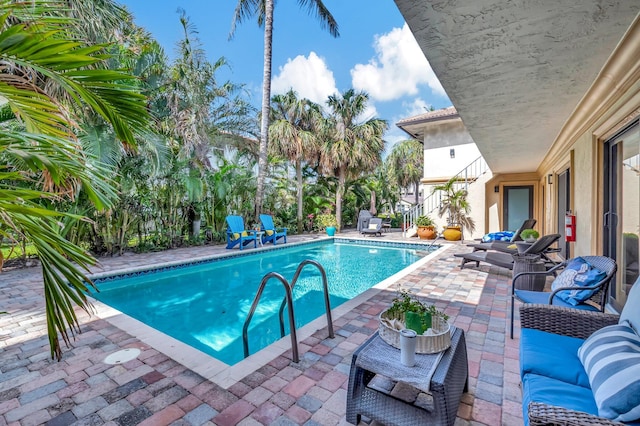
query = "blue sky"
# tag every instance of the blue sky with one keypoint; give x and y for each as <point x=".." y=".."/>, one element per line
<point x="375" y="52"/>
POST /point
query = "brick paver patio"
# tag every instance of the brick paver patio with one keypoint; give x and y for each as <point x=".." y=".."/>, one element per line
<point x="154" y="389"/>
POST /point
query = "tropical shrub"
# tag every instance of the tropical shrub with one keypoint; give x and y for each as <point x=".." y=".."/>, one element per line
<point x="325" y="220"/>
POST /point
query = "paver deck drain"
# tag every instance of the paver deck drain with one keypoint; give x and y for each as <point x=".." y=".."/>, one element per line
<point x="122" y="356"/>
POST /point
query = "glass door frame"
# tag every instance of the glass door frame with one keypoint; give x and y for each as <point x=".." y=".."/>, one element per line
<point x="610" y="219"/>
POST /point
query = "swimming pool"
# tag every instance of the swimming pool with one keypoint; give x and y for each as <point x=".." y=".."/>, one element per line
<point x="205" y="305"/>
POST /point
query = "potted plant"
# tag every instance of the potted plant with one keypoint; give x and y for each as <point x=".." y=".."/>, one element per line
<point x="327" y="222"/>
<point x="455" y="205"/>
<point x="416" y="315"/>
<point x="426" y="230"/>
<point x="529" y="235"/>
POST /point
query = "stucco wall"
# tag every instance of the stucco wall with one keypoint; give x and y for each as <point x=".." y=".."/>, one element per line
<point x="438" y="162"/>
<point x="584" y="183"/>
<point x="587" y="171"/>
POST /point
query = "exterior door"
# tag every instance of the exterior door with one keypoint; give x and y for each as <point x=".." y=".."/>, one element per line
<point x="621" y="221"/>
<point x="518" y="206"/>
<point x="564" y="205"/>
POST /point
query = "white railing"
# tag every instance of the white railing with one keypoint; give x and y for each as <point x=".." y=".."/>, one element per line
<point x="409" y="217"/>
<point x="464" y="178"/>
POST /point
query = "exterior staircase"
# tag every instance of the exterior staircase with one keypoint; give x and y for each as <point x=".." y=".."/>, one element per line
<point x="431" y="203"/>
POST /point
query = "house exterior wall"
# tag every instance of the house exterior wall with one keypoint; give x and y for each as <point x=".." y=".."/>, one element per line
<point x="438" y="141"/>
<point x="493" y="220"/>
<point x="583" y="149"/>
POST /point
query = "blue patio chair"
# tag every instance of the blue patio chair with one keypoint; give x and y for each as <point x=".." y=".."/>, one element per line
<point x="271" y="234"/>
<point x="237" y="234"/>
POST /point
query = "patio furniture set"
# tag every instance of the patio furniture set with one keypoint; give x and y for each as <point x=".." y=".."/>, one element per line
<point x="578" y="364"/>
<point x="580" y="367"/>
<point x="239" y="235"/>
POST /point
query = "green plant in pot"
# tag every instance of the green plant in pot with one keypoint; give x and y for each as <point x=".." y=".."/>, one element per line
<point x="455" y="205"/>
<point x="327" y="222"/>
<point x="416" y="315"/>
<point x="426" y="230"/>
<point x="529" y="235"/>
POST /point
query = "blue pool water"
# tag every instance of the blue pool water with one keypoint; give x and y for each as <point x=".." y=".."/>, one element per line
<point x="205" y="305"/>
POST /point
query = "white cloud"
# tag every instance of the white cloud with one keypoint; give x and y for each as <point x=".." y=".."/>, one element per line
<point x="397" y="70"/>
<point x="417" y="107"/>
<point x="308" y="76"/>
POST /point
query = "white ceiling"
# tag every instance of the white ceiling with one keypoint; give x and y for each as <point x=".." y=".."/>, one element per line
<point x="516" y="69"/>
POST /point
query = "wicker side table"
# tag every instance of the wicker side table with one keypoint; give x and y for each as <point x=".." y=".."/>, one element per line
<point x="447" y="384"/>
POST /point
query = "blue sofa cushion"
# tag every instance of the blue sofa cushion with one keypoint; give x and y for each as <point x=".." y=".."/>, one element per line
<point x="578" y="273"/>
<point x="611" y="357"/>
<point x="551" y="355"/>
<point x="550" y="391"/>
<point x="528" y="296"/>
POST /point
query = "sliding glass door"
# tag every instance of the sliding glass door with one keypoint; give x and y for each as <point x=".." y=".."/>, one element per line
<point x="622" y="209"/>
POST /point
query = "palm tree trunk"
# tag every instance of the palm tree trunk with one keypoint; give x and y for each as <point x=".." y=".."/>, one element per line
<point x="266" y="99"/>
<point x="300" y="188"/>
<point x="339" y="193"/>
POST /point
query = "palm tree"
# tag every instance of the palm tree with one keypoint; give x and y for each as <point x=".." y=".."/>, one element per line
<point x="293" y="135"/>
<point x="455" y="205"/>
<point x="407" y="163"/>
<point x="350" y="147"/>
<point x="42" y="58"/>
<point x="245" y="9"/>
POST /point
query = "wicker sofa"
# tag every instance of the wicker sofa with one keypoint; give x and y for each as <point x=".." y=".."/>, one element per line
<point x="556" y="388"/>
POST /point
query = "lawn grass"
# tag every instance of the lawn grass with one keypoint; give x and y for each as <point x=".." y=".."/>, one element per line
<point x="17" y="251"/>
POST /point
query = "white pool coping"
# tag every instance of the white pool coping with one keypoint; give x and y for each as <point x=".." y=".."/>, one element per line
<point x="218" y="372"/>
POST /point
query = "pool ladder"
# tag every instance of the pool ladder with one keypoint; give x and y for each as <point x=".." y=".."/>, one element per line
<point x="288" y="300"/>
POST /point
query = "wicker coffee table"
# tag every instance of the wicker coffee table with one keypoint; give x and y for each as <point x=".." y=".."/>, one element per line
<point x="374" y="393"/>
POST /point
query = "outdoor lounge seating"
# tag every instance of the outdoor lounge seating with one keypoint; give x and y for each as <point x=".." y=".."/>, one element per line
<point x="271" y="234"/>
<point x="505" y="246"/>
<point x="374" y="227"/>
<point x="506" y="260"/>
<point x="582" y="284"/>
<point x="580" y="367"/>
<point x="386" y="224"/>
<point x="237" y="234"/>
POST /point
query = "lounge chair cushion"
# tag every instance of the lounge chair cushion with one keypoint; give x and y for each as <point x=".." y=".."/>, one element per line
<point x="542" y="297"/>
<point x="611" y="357"/>
<point x="578" y="273"/>
<point x="547" y="390"/>
<point x="551" y="355"/>
<point x="236" y="235"/>
<point x="631" y="313"/>
<point x="498" y="236"/>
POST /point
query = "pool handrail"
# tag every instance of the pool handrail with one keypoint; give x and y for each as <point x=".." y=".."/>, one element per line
<point x="325" y="288"/>
<point x="288" y="289"/>
<point x="292" y="323"/>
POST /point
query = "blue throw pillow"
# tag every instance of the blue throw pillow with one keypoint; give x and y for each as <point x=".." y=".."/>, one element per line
<point x="611" y="358"/>
<point x="578" y="273"/>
